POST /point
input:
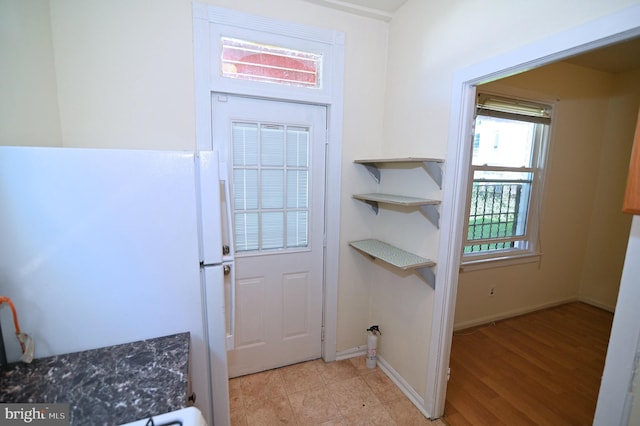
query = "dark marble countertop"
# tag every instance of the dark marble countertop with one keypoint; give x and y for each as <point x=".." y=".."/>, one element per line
<point x="106" y="386"/>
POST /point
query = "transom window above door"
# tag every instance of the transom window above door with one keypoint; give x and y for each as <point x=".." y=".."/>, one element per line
<point x="271" y="186"/>
<point x="247" y="60"/>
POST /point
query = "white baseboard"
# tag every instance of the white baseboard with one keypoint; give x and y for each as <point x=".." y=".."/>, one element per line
<point x="513" y="313"/>
<point x="351" y="353"/>
<point x="597" y="304"/>
<point x="402" y="384"/>
<point x="408" y="391"/>
<point x="387" y="369"/>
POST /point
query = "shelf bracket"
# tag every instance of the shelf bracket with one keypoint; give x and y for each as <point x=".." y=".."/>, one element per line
<point x="428" y="276"/>
<point x="373" y="170"/>
<point x="435" y="171"/>
<point x="431" y="212"/>
<point x="373" y="205"/>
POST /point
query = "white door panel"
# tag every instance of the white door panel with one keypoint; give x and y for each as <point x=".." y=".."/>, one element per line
<point x="275" y="155"/>
<point x="295" y="291"/>
<point x="251" y="329"/>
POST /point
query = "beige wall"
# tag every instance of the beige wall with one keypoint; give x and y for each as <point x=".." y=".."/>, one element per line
<point x="584" y="233"/>
<point x="124" y="73"/>
<point x="29" y="103"/>
<point x="609" y="229"/>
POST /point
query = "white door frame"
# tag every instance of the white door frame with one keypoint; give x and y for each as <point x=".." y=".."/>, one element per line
<point x="207" y="22"/>
<point x="206" y="18"/>
<point x="601" y="32"/>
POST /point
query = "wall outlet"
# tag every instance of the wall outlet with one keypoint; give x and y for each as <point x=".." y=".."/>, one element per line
<point x="492" y="291"/>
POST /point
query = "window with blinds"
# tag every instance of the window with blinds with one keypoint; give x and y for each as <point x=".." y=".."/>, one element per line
<point x="505" y="177"/>
<point x="271" y="186"/>
<point x="248" y="60"/>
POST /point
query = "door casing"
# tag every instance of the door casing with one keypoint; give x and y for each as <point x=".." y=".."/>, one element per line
<point x="206" y="20"/>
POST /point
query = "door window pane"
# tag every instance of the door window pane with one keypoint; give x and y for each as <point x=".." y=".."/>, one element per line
<point x="297" y="147"/>
<point x="297" y="229"/>
<point x="272" y="145"/>
<point x="272" y="230"/>
<point x="245" y="144"/>
<point x="297" y="189"/>
<point x="246" y="231"/>
<point x="272" y="189"/>
<point x="245" y="189"/>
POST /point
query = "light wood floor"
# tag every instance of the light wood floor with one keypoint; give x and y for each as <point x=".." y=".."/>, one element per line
<point x="542" y="368"/>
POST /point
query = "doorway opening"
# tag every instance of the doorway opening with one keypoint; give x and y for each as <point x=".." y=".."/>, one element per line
<point x="558" y="47"/>
<point x="210" y="24"/>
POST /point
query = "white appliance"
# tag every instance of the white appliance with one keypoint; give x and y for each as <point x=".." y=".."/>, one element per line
<point x="101" y="247"/>
<point x="189" y="416"/>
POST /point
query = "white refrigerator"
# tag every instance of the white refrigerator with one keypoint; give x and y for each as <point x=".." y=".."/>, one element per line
<point x="100" y="247"/>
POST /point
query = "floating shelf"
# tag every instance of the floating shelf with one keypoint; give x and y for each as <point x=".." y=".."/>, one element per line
<point x="387" y="253"/>
<point x="427" y="206"/>
<point x="433" y="166"/>
<point x="397" y="258"/>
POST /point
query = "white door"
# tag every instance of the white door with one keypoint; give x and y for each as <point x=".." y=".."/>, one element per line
<point x="275" y="154"/>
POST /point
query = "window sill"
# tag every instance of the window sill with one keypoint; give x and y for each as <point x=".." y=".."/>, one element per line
<point x="499" y="262"/>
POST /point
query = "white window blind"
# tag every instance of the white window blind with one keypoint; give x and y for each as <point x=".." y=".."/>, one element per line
<point x="271" y="186"/>
<point x="513" y="109"/>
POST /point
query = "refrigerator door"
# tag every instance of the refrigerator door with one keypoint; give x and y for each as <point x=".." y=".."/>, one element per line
<point x="230" y="302"/>
<point x="210" y="208"/>
<point x="100" y="247"/>
<point x="214" y="299"/>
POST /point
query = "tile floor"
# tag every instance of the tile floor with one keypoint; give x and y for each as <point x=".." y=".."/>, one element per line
<point x="318" y="393"/>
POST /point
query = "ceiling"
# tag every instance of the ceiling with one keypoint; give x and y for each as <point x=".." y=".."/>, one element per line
<point x="615" y="58"/>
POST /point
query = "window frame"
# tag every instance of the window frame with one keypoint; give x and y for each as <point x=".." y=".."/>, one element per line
<point x="260" y="209"/>
<point x="260" y="60"/>
<point x="303" y="39"/>
<point x="527" y="248"/>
